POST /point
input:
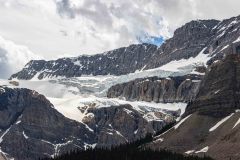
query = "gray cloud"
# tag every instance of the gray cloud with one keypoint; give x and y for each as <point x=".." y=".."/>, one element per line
<point x="64" y="9"/>
<point x="5" y="67"/>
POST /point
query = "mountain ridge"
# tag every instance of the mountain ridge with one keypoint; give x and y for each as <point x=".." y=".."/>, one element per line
<point x="212" y="37"/>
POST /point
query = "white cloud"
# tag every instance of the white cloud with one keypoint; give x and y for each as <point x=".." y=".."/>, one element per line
<point x="13" y="57"/>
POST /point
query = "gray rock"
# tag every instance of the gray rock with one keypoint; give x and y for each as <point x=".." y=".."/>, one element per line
<point x="165" y="90"/>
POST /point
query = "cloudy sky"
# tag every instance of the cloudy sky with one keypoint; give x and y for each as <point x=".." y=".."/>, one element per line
<point x="56" y="28"/>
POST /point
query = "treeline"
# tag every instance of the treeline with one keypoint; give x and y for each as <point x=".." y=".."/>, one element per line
<point x="129" y="151"/>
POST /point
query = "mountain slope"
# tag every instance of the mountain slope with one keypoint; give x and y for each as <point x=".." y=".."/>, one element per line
<point x="32" y="128"/>
<point x="210" y="124"/>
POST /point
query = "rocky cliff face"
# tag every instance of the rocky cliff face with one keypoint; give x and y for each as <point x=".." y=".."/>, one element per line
<point x="32" y="128"/>
<point x="210" y="125"/>
<point x="219" y="91"/>
<point x="165" y="90"/>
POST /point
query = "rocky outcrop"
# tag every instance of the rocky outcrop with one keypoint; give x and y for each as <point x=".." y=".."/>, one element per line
<point x="210" y="125"/>
<point x="166" y="90"/>
<point x="30" y="126"/>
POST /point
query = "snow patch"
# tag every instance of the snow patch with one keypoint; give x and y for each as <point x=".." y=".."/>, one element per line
<point x="237" y="40"/>
<point x="216" y="91"/>
<point x="225" y="47"/>
<point x="236" y="123"/>
<point x="204" y="150"/>
<point x="87" y="146"/>
<point x="220" y="122"/>
<point x="1" y="138"/>
<point x="190" y="151"/>
<point x="25" y="136"/>
<point x="136" y="131"/>
<point x="179" y="65"/>
<point x="183" y="120"/>
<point x="19" y="121"/>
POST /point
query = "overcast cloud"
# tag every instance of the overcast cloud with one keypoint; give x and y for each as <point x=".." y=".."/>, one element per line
<point x="57" y="28"/>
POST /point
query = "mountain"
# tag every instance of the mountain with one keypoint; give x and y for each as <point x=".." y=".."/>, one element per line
<point x="211" y="37"/>
<point x="123" y="95"/>
<point x="125" y="60"/>
<point x="210" y="124"/>
<point x="31" y="127"/>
